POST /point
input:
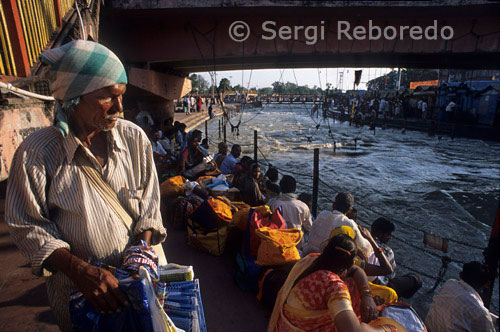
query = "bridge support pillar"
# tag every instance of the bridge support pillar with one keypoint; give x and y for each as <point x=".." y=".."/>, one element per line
<point x="155" y="92"/>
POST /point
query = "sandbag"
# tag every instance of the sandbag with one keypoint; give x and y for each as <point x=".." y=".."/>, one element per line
<point x="240" y="218"/>
<point x="246" y="273"/>
<point x="239" y="205"/>
<point x="278" y="246"/>
<point x="222" y="207"/>
<point x="258" y="220"/>
<point x="173" y="186"/>
<point x="212" y="242"/>
<point x="183" y="208"/>
<point x="212" y="213"/>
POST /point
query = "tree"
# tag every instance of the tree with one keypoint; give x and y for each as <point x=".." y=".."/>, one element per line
<point x="291" y="88"/>
<point x="198" y="83"/>
<point x="265" y="91"/>
<point x="239" y="88"/>
<point x="224" y="85"/>
<point x="278" y="87"/>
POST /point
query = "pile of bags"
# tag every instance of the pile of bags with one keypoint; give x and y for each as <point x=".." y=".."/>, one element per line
<point x="262" y="239"/>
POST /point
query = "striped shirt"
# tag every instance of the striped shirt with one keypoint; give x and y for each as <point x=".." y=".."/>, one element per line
<point x="51" y="204"/>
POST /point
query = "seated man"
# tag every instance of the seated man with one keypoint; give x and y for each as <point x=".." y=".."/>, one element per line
<point x="204" y="146"/>
<point x="272" y="192"/>
<point x="168" y="143"/>
<point x="295" y="212"/>
<point x="406" y="285"/>
<point x="230" y="161"/>
<point x="158" y="150"/>
<point x="221" y="155"/>
<point x="327" y="221"/>
<point x="458" y="306"/>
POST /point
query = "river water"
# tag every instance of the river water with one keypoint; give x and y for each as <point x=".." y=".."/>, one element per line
<point x="443" y="186"/>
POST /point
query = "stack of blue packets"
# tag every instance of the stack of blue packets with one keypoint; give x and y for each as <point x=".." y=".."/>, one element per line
<point x="184" y="306"/>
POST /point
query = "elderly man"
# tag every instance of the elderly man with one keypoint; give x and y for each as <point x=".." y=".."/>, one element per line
<point x="57" y="214"/>
<point x="329" y="220"/>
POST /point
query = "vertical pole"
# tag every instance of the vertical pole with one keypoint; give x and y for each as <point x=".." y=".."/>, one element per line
<point x="224" y="129"/>
<point x="315" y="182"/>
<point x="206" y="129"/>
<point x="255" y="145"/>
<point x="57" y="9"/>
<point x="219" y="129"/>
<point x="16" y="36"/>
<point x="399" y="78"/>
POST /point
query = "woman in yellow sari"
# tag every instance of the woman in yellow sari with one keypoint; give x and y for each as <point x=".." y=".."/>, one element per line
<point x="315" y="298"/>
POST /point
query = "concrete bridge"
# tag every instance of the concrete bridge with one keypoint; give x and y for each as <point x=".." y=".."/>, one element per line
<point x="164" y="40"/>
<point x="193" y="35"/>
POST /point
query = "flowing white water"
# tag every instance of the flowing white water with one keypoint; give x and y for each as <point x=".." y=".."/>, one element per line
<point x="443" y="186"/>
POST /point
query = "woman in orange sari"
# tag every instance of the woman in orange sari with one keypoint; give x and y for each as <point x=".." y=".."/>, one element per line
<point x="315" y="298"/>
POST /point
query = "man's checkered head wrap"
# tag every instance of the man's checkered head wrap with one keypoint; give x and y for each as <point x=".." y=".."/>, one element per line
<point x="78" y="68"/>
<point x="81" y="67"/>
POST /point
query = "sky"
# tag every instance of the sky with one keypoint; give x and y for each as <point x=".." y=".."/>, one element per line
<point x="262" y="78"/>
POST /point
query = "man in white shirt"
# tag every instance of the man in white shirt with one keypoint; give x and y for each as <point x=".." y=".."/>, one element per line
<point x="231" y="160"/>
<point x="424" y="109"/>
<point x="450" y="108"/>
<point x="168" y="145"/>
<point x="295" y="212"/>
<point x="458" y="306"/>
<point x="329" y="220"/>
<point x="158" y="150"/>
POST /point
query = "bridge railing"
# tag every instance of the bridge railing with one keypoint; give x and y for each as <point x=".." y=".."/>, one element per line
<point x="26" y="28"/>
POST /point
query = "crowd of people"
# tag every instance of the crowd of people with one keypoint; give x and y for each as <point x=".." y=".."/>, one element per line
<point x="85" y="192"/>
<point x="364" y="109"/>
<point x="196" y="104"/>
<point x="342" y="261"/>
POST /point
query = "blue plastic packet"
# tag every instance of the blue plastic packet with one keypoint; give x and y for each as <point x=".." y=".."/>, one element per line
<point x="136" y="317"/>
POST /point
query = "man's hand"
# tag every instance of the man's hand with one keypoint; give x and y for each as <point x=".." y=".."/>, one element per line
<point x="369" y="309"/>
<point x="99" y="286"/>
<point x="366" y="233"/>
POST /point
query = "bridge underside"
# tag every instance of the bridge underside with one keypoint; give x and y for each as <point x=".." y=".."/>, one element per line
<point x="184" y="40"/>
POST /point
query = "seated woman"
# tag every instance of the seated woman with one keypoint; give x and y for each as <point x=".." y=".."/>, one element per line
<point x="385" y="267"/>
<point x="240" y="170"/>
<point x="381" y="294"/>
<point x="314" y="296"/>
<point x="249" y="186"/>
<point x="192" y="163"/>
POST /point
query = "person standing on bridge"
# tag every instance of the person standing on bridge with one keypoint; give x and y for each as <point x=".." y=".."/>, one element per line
<point x="56" y="212"/>
<point x="198" y="104"/>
